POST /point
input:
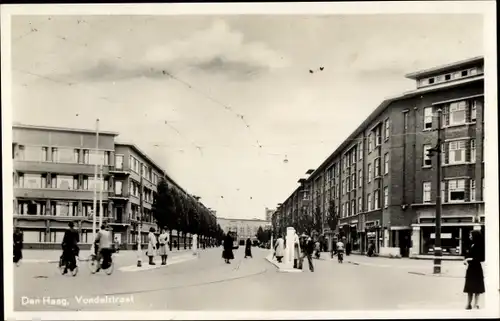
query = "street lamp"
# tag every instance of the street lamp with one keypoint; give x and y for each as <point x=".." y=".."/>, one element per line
<point x="437" y="151"/>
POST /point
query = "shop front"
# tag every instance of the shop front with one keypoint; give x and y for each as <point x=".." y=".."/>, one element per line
<point x="454" y="239"/>
<point x="354" y="236"/>
<point x="373" y="235"/>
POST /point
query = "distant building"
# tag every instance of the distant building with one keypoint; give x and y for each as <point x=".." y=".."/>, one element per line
<point x="246" y="228"/>
<point x="269" y="213"/>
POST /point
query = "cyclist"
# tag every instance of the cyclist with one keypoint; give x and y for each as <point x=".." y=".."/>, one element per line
<point x="340" y="249"/>
<point x="70" y="247"/>
<point x="103" y="247"/>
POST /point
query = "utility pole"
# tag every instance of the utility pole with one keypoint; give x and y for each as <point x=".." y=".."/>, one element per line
<point x="101" y="183"/>
<point x="139" y="228"/>
<point x="94" y="209"/>
<point x="437" y="150"/>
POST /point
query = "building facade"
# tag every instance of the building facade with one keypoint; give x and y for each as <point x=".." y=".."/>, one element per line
<point x="54" y="181"/>
<point x="269" y="213"/>
<point x="381" y="182"/>
<point x="245" y="228"/>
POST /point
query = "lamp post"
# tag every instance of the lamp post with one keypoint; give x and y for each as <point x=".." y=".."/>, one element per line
<point x="437" y="150"/>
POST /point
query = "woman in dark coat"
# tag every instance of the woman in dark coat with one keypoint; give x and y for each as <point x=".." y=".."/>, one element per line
<point x="474" y="278"/>
<point x="227" y="253"/>
<point x="248" y="248"/>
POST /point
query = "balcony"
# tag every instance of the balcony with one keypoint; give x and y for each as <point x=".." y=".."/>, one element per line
<point x="59" y="168"/>
<point x="52" y="193"/>
<point x="119" y="171"/>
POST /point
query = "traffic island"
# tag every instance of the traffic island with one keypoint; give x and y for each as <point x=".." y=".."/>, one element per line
<point x="281" y="266"/>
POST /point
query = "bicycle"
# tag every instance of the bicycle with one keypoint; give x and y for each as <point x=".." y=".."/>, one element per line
<point x="95" y="264"/>
<point x="65" y="265"/>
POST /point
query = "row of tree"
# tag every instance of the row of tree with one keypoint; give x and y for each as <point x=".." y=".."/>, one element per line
<point x="302" y="222"/>
<point x="185" y="214"/>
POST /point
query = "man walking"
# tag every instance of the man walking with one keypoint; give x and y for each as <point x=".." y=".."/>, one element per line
<point x="308" y="252"/>
<point x="70" y="247"/>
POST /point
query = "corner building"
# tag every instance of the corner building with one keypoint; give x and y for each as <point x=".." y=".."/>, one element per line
<point x="54" y="183"/>
<point x="382" y="182"/>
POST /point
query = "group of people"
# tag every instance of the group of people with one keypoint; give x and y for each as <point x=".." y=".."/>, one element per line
<point x="227" y="252"/>
<point x="303" y="247"/>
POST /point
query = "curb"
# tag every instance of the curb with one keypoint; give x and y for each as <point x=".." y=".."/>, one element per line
<point x="441" y="275"/>
<point x="146" y="267"/>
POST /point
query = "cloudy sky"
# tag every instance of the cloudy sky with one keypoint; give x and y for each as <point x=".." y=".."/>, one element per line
<point x="222" y="101"/>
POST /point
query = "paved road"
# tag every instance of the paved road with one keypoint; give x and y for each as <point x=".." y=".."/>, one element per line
<point x="208" y="283"/>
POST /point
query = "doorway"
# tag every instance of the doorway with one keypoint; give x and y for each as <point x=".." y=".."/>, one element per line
<point x="404" y="242"/>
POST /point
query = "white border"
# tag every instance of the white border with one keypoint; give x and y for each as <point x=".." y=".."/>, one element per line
<point x="486" y="8"/>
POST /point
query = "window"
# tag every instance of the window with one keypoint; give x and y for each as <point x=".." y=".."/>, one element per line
<point x="427" y="118"/>
<point x="386" y="129"/>
<point x="473" y="110"/>
<point x="377" y="167"/>
<point x="119" y="162"/>
<point x="456" y="152"/>
<point x="66" y="209"/>
<point x="426" y="192"/>
<point x="431" y="80"/>
<point x="118" y="187"/>
<point x="378" y="136"/>
<point x="369" y="197"/>
<point x="456" y="190"/>
<point x="473" y="151"/>
<point x="472" y="190"/>
<point x="353" y="181"/>
<point x="369" y="173"/>
<point x="353" y="207"/>
<point x="443" y="190"/>
<point x="360" y="151"/>
<point x="386" y="197"/>
<point x="45" y="154"/>
<point x="348" y="184"/>
<point x="457" y="113"/>
<point x="107" y="156"/>
<point x="64" y="182"/>
<point x="360" y="204"/>
<point x="360" y="178"/>
<point x="473" y="71"/>
<point x="32" y="181"/>
<point x="347" y="209"/>
<point x="405" y="120"/>
<point x="427" y="159"/>
<point x="376" y="202"/>
<point x="97" y="157"/>
<point x="343" y="210"/>
<point x="75" y="183"/>
<point x="343" y="187"/>
<point x="86" y="156"/>
<point x="386" y="163"/>
<point x="465" y="73"/>
<point x="370" y="143"/>
<point x="447" y="77"/>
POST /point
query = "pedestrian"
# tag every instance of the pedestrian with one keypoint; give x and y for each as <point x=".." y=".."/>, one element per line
<point x="296" y="251"/>
<point x="348" y="248"/>
<point x="248" y="248"/>
<point x="18" y="245"/>
<point x="227" y="253"/>
<point x="151" y="252"/>
<point x="308" y="252"/>
<point x="474" y="277"/>
<point x="303" y="248"/>
<point x="117" y="244"/>
<point x="279" y="248"/>
<point x="163" y="240"/>
<point x="70" y="247"/>
<point x="371" y="249"/>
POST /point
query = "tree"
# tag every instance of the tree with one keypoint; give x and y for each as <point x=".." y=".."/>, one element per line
<point x="332" y="219"/>
<point x="318" y="220"/>
<point x="305" y="223"/>
<point x="263" y="236"/>
<point x="164" y="210"/>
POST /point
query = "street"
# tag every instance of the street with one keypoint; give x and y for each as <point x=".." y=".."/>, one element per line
<point x="207" y="283"/>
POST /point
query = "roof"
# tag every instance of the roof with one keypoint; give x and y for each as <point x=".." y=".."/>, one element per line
<point x="62" y="129"/>
<point x="381" y="108"/>
<point x="434" y="70"/>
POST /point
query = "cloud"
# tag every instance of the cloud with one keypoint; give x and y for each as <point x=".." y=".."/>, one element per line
<point x="217" y="50"/>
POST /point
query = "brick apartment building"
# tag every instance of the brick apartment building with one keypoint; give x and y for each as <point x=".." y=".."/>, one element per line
<point x="54" y="183"/>
<point x="381" y="181"/>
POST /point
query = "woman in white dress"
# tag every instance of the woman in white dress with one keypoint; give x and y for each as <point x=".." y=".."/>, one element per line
<point x="162" y="250"/>
<point x="151" y="246"/>
<point x="279" y="248"/>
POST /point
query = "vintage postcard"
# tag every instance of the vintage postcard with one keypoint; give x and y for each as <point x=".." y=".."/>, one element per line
<point x="235" y="161"/>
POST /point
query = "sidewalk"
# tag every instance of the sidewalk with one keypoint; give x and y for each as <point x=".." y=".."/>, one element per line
<point x="52" y="256"/>
<point x="453" y="269"/>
